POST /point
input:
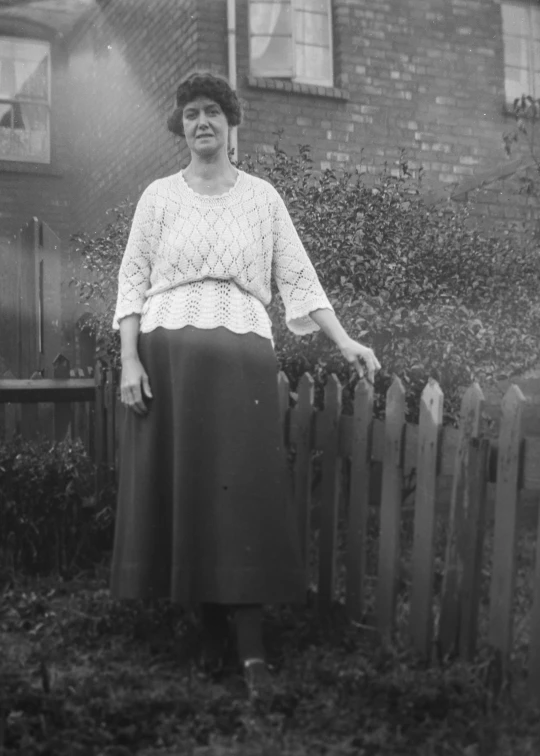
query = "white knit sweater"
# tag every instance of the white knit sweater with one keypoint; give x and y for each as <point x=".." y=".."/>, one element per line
<point x="207" y="261"/>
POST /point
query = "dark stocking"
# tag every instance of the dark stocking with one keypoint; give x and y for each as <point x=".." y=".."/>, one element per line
<point x="216" y="629"/>
<point x="248" y="623"/>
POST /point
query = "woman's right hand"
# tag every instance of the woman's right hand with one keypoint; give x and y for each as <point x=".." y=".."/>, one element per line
<point x="134" y="385"/>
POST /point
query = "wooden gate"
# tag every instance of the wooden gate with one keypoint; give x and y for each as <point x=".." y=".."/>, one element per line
<point x="30" y="312"/>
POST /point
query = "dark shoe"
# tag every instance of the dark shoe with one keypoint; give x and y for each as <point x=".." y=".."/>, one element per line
<point x="217" y="655"/>
<point x="212" y="656"/>
<point x="259" y="681"/>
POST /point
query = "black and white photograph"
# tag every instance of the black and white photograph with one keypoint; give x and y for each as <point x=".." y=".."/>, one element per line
<point x="269" y="377"/>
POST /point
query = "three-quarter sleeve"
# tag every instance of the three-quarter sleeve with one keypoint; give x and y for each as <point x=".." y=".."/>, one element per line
<point x="134" y="273"/>
<point x="295" y="276"/>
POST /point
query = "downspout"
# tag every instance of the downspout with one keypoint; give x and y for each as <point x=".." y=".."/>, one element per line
<point x="231" y="48"/>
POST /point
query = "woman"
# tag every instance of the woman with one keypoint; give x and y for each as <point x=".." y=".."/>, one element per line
<point x="203" y="515"/>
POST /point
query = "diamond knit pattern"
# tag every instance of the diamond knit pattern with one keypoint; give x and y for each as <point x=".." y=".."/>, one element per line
<point x="208" y="261"/>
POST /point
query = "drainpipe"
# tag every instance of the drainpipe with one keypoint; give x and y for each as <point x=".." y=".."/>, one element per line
<point x="231" y="48"/>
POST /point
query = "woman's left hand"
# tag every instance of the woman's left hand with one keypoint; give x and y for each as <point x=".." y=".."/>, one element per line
<point x="362" y="357"/>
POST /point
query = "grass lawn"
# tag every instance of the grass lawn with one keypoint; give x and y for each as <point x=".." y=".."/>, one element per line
<point x="80" y="674"/>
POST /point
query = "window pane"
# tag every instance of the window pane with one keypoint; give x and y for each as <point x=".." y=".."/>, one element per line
<point x="311" y="28"/>
<point x="516" y="83"/>
<point x="24" y="69"/>
<point x="536" y="55"/>
<point x="515" y="19"/>
<point x="271" y="56"/>
<point x="536" y="21"/>
<point x="319" y="6"/>
<point x="32" y="79"/>
<point x="270" y="18"/>
<point x="271" y="40"/>
<point x="29" y="138"/>
<point x="8" y="85"/>
<point x="34" y="117"/>
<point x="313" y="64"/>
<point x="516" y="52"/>
<point x="5" y="116"/>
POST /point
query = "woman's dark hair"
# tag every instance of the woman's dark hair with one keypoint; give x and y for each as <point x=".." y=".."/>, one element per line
<point x="205" y="85"/>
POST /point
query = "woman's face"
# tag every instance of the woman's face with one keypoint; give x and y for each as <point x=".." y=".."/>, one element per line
<point x="205" y="126"/>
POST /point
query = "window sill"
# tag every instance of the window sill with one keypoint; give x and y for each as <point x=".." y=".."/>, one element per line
<point x="293" y="87"/>
<point x="508" y="109"/>
<point x="32" y="169"/>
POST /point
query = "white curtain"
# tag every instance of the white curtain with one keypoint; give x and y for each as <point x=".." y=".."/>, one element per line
<point x="264" y="19"/>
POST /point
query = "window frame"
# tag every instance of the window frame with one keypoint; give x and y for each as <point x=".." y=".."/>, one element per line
<point x="294" y="6"/>
<point x="531" y="69"/>
<point x="29" y="101"/>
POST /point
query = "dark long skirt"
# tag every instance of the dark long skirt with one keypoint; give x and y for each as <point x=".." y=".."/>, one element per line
<point x="204" y="507"/>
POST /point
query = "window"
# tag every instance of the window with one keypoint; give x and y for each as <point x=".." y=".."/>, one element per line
<point x="291" y="39"/>
<point x="521" y="33"/>
<point x="24" y="100"/>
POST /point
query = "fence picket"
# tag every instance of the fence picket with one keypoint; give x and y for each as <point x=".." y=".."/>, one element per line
<point x="331" y="473"/>
<point x="359" y="498"/>
<point x="30" y="426"/>
<point x="119" y="410"/>
<point x="87" y="415"/>
<point x="77" y="412"/>
<point x="534" y="643"/>
<point x="390" y="514"/>
<point x="430" y="424"/>
<point x="284" y="400"/>
<point x="46" y="419"/>
<point x="78" y="420"/>
<point x="90" y="433"/>
<point x="62" y="410"/>
<point x="100" y="438"/>
<point x="469" y="428"/>
<point x="505" y="531"/>
<point x="302" y="416"/>
<point x="473" y="547"/>
<point x="11" y="414"/>
<point x="110" y="404"/>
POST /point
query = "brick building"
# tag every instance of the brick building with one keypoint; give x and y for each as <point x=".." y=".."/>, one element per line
<point x="86" y="86"/>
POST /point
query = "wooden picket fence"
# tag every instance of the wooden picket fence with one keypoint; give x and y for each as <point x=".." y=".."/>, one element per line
<point x="90" y="408"/>
<point x="512" y="462"/>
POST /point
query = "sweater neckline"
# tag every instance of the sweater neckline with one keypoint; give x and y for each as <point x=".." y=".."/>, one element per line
<point x="211" y="197"/>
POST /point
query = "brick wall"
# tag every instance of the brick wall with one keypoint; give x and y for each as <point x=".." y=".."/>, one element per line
<point x="125" y="64"/>
<point x="424" y="76"/>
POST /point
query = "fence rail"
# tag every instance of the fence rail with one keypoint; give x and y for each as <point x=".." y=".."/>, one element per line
<point x="394" y="449"/>
<point x="70" y="404"/>
<point x="16" y="391"/>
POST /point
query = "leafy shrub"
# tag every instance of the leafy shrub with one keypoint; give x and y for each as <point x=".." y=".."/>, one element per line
<point x="97" y="281"/>
<point x="48" y="519"/>
<point x="432" y="294"/>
